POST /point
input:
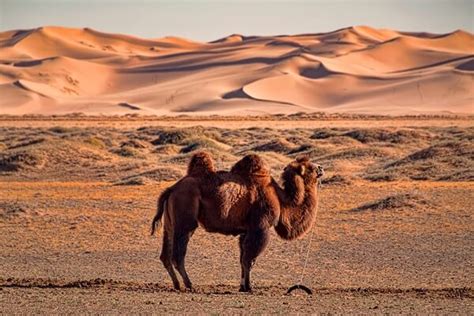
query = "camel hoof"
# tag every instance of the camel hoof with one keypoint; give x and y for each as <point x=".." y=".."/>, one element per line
<point x="245" y="290"/>
<point x="190" y="290"/>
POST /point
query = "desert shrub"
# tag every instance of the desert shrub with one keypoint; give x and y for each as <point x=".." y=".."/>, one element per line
<point x="137" y="180"/>
<point x="127" y="151"/>
<point x="28" y="142"/>
<point x="171" y="137"/>
<point x="445" y="151"/>
<point x="456" y="154"/>
<point x="96" y="142"/>
<point x="11" y="209"/>
<point x="199" y="143"/>
<point x="443" y="161"/>
<point x="382" y="135"/>
<point x="381" y="176"/>
<point x="161" y="174"/>
<point x="336" y="179"/>
<point x="462" y="175"/>
<point x="324" y="133"/>
<point x="392" y="202"/>
<point x="135" y="143"/>
<point x="302" y="149"/>
<point x="21" y="160"/>
<point x="455" y="133"/>
<point x="356" y="153"/>
<point x="280" y="145"/>
<point x="215" y="134"/>
<point x="63" y="130"/>
<point x="167" y="149"/>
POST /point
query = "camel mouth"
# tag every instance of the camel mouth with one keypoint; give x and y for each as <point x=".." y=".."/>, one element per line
<point x="320" y="171"/>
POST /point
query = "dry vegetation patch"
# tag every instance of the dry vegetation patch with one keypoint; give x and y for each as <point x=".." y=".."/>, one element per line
<point x="389" y="136"/>
<point x="14" y="209"/>
<point x="336" y="179"/>
<point x="445" y="161"/>
<point x="111" y="154"/>
<point x="393" y="202"/>
<point x="279" y="145"/>
<point x="23" y="160"/>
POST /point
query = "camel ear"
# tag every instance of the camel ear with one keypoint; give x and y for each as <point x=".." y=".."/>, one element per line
<point x="302" y="170"/>
<point x="294" y="165"/>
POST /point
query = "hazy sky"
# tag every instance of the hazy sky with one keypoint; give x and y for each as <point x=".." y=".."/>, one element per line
<point x="211" y="19"/>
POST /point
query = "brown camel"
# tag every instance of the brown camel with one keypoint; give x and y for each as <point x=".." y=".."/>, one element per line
<point x="245" y="201"/>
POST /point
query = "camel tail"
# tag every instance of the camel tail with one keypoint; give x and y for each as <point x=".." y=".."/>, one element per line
<point x="160" y="210"/>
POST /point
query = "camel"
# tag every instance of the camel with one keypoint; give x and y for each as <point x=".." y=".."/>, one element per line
<point x="245" y="201"/>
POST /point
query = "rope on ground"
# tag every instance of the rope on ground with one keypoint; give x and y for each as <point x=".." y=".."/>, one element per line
<point x="308" y="248"/>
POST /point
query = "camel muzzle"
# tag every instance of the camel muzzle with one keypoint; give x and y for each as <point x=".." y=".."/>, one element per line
<point x="319" y="171"/>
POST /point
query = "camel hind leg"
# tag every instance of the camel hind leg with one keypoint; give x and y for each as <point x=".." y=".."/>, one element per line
<point x="165" y="257"/>
<point x="185" y="218"/>
<point x="180" y="245"/>
<point x="252" y="245"/>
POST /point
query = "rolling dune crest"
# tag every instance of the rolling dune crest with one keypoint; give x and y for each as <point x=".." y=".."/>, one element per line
<point x="57" y="70"/>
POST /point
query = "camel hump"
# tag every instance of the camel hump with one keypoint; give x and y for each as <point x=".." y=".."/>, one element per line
<point x="251" y="165"/>
<point x="201" y="164"/>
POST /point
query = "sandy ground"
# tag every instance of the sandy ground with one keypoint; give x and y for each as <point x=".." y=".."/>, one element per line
<point x="401" y="261"/>
<point x="79" y="244"/>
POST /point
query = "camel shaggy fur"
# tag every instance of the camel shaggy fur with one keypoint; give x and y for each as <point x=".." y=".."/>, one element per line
<point x="245" y="201"/>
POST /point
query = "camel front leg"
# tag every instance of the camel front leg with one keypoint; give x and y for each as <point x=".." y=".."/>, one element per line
<point x="252" y="245"/>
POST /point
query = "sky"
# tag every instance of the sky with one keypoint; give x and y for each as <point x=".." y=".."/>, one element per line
<point x="206" y="20"/>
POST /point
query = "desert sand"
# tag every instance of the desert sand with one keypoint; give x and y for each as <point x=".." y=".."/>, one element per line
<point x="57" y="70"/>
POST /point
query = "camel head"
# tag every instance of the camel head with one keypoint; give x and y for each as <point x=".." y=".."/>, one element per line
<point x="302" y="167"/>
<point x="299" y="199"/>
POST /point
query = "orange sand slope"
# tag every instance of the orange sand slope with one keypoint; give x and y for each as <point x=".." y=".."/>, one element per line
<point x="55" y="70"/>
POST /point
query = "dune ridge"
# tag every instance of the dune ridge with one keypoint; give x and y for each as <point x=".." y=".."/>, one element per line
<point x="58" y="70"/>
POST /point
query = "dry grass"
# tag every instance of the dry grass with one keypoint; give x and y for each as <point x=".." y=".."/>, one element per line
<point x="394" y="202"/>
<point x="112" y="154"/>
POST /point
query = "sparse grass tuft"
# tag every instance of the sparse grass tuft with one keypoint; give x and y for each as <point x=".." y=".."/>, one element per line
<point x="176" y="137"/>
<point x="199" y="143"/>
<point x="96" y="142"/>
<point x="128" y="151"/>
<point x="279" y="145"/>
<point x="167" y="149"/>
<point x="135" y="143"/>
<point x="382" y="135"/>
<point x="324" y="133"/>
<point x="443" y="161"/>
<point x="63" y="130"/>
<point x="21" y="160"/>
<point x="336" y="179"/>
<point x="134" y="181"/>
<point x="399" y="201"/>
<point x="11" y="209"/>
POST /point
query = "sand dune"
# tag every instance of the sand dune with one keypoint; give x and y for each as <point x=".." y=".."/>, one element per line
<point x="55" y="70"/>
